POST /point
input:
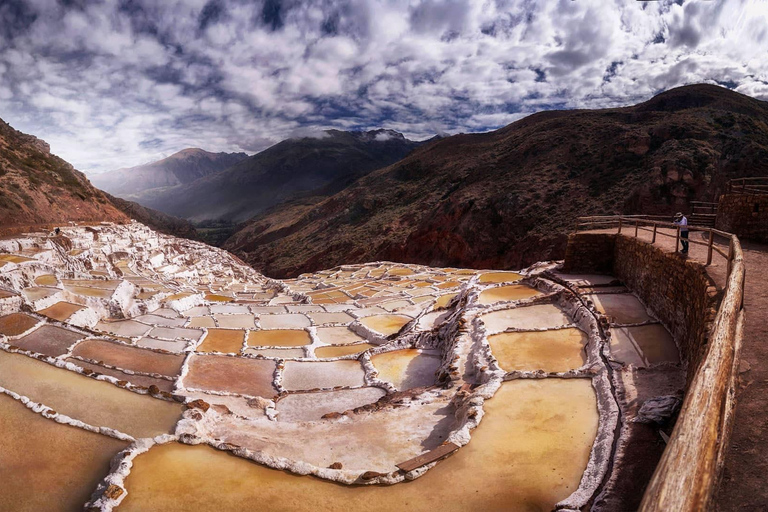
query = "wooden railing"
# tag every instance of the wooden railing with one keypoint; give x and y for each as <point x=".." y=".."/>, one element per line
<point x="757" y="185"/>
<point x="688" y="473"/>
<point x="632" y="224"/>
<point x="687" y="476"/>
<point x="703" y="208"/>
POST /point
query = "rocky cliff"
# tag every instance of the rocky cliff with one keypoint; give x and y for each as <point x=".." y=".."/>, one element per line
<point x="39" y="187"/>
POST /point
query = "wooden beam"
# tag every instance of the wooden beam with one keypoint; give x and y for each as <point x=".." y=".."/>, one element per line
<point x="431" y="456"/>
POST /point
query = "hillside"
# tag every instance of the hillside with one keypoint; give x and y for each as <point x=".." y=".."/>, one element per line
<point x="285" y="171"/>
<point x="508" y="198"/>
<point x="178" y="169"/>
<point x="39" y="187"/>
<point x="157" y="220"/>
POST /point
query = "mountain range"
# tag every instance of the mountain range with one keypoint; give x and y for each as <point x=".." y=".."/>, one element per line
<point x="330" y="160"/>
<point x="502" y="199"/>
<point x="178" y="169"/>
<point x="508" y="198"/>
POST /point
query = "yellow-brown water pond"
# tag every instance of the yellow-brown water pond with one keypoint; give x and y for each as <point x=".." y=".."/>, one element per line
<point x="88" y="400"/>
<point x="557" y="350"/>
<point x="528" y="453"/>
<point x="48" y="466"/>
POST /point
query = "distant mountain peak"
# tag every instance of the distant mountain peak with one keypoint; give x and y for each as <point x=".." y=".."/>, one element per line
<point x="180" y="168"/>
<point x="383" y="134"/>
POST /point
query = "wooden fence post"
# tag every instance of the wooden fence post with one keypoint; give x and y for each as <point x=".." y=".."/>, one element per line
<point x="730" y="259"/>
<point x="709" y="249"/>
<point x="637" y="222"/>
<point x="620" y="225"/>
<point x="677" y="240"/>
<point x="653" y="241"/>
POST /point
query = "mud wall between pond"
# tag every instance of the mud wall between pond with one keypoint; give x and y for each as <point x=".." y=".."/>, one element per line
<point x="744" y="215"/>
<point x="678" y="291"/>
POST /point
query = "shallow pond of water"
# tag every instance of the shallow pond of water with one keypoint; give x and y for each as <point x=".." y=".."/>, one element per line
<point x="48" y="466"/>
<point x="88" y="400"/>
<point x="528" y="453"/>
<point x="406" y="369"/>
<point x="222" y="340"/>
<point x="385" y="324"/>
<point x="558" y="350"/>
<point x="507" y="293"/>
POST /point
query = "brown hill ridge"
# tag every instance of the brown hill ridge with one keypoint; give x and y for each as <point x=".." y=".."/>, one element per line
<point x="508" y="198"/>
<point x="39" y="187"/>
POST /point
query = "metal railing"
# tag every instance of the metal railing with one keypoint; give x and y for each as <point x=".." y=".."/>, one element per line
<point x="633" y="224"/>
<point x="687" y="476"/>
<point x="757" y="185"/>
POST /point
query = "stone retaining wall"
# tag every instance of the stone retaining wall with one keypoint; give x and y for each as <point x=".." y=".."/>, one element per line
<point x="588" y="252"/>
<point x="744" y="215"/>
<point x="678" y="291"/>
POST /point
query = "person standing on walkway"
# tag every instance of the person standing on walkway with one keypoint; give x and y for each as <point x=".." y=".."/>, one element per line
<point x="682" y="221"/>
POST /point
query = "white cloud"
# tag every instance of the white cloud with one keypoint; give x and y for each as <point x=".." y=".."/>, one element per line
<point x="109" y="86"/>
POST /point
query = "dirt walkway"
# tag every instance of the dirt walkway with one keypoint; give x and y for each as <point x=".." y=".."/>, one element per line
<point x="744" y="482"/>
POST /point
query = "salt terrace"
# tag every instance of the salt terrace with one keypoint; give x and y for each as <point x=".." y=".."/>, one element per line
<point x="141" y="371"/>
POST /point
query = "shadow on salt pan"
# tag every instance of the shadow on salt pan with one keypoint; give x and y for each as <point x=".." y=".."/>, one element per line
<point x="623" y="308"/>
<point x="312" y="406"/>
<point x="329" y="374"/>
<point x="407" y="369"/>
<point x="643" y="345"/>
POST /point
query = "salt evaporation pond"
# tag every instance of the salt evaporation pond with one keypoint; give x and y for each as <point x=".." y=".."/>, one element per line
<point x="381" y="386"/>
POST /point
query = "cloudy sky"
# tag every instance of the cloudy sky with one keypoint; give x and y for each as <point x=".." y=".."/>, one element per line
<point x="116" y="83"/>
